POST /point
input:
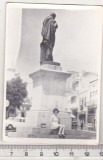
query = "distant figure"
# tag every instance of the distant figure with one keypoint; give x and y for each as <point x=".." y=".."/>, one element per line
<point x="81" y="125"/>
<point x="55" y="123"/>
<point x="48" y="34"/>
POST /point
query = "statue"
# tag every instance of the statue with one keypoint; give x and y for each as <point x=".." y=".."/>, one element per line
<point x="48" y="34"/>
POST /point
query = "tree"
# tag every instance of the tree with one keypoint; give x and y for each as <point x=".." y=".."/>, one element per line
<point x="16" y="92"/>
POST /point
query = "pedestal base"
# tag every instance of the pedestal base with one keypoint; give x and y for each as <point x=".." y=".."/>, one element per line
<point x="42" y="119"/>
<point x="49" y="92"/>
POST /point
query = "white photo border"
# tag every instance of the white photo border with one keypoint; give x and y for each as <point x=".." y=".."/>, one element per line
<point x="42" y="141"/>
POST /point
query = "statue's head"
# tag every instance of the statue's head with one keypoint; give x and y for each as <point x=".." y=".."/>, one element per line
<point x="53" y="15"/>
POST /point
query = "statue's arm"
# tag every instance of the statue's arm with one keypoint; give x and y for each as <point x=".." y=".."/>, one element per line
<point x="55" y="25"/>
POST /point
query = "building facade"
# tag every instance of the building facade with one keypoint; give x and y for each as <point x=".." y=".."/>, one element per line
<point x="82" y="93"/>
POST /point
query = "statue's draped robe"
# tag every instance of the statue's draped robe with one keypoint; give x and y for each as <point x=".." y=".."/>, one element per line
<point x="48" y="34"/>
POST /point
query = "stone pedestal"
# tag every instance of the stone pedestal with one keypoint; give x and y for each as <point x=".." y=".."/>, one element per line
<point x="49" y="92"/>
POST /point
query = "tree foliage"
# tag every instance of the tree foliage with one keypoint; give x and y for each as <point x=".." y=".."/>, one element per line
<point x="16" y="92"/>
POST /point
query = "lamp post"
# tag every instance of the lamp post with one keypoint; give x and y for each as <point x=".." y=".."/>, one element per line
<point x="86" y="114"/>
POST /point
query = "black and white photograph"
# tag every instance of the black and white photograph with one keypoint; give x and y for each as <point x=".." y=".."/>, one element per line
<point x="52" y="74"/>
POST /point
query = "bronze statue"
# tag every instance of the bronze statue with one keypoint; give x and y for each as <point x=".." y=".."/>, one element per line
<point x="48" y="34"/>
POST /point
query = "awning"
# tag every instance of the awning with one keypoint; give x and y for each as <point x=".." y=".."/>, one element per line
<point x="72" y="116"/>
<point x="82" y="112"/>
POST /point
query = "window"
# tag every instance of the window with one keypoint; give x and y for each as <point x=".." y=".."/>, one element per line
<point x="75" y="85"/>
<point x="93" y="93"/>
<point x="82" y="102"/>
<point x="73" y="99"/>
<point x="90" y="94"/>
<point x="96" y="91"/>
<point x="85" y="101"/>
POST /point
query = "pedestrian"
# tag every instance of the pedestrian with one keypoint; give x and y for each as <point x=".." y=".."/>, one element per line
<point x="82" y="125"/>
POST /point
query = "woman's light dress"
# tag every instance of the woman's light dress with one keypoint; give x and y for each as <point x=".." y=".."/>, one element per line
<point x="55" y="122"/>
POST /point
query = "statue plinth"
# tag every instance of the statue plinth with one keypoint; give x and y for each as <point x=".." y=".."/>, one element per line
<point x="51" y="65"/>
<point x="49" y="92"/>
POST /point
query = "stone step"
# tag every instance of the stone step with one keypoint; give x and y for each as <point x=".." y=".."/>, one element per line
<point x="17" y="135"/>
<point x="67" y="132"/>
<point x="36" y="135"/>
<point x="42" y="136"/>
<point x="41" y="130"/>
<point x="75" y="135"/>
<point x="46" y="133"/>
<point x="69" y="136"/>
<point x="24" y="129"/>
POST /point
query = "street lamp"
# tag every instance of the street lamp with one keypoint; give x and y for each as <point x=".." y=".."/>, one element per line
<point x="86" y="114"/>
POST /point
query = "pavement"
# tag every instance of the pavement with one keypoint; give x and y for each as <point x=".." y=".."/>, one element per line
<point x="45" y="133"/>
<point x="69" y="134"/>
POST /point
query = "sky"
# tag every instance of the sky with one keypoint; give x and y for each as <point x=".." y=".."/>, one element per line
<point x="78" y="37"/>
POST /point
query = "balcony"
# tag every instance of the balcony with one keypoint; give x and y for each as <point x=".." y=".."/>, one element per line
<point x="92" y="104"/>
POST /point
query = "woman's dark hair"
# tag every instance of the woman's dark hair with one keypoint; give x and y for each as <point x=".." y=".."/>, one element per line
<point x="55" y="109"/>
